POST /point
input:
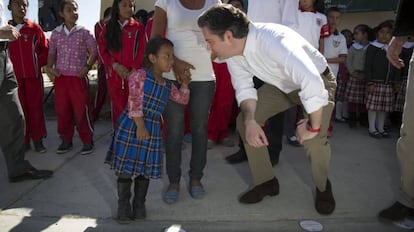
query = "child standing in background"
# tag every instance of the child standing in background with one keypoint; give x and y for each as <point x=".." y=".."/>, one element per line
<point x="29" y="54"/>
<point x="72" y="53"/>
<point x="356" y="88"/>
<point x="335" y="51"/>
<point x="102" y="91"/>
<point x="135" y="151"/>
<point x="121" y="47"/>
<point x="381" y="77"/>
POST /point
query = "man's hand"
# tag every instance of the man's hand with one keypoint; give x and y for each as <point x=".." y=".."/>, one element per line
<point x="255" y="135"/>
<point x="394" y="51"/>
<point x="302" y="133"/>
<point x="121" y="70"/>
<point x="9" y="32"/>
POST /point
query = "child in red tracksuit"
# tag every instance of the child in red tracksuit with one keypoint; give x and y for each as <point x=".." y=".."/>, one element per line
<point x="28" y="54"/>
<point x="72" y="52"/>
<point x="102" y="91"/>
<point x="121" y="47"/>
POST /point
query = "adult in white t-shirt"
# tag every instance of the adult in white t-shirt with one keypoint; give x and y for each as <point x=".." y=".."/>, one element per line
<point x="274" y="11"/>
<point x="178" y="19"/>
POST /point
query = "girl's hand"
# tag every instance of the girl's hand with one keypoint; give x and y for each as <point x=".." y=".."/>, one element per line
<point x="396" y="88"/>
<point x="83" y="72"/>
<point x="121" y="70"/>
<point x="185" y="81"/>
<point x="371" y="88"/>
<point x="52" y="72"/>
<point x="182" y="70"/>
<point x="142" y="133"/>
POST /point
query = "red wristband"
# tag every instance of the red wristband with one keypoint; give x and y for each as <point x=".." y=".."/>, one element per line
<point x="310" y="129"/>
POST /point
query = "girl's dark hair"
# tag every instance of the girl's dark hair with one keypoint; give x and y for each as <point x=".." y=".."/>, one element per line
<point x="65" y="2"/>
<point x="387" y="23"/>
<point x="113" y="33"/>
<point x="141" y="16"/>
<point x="366" y="29"/>
<point x="152" y="47"/>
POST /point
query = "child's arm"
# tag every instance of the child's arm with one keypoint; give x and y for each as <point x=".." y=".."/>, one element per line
<point x="51" y="59"/>
<point x="135" y="102"/>
<point x="42" y="46"/>
<point x="93" y="54"/>
<point x="182" y="95"/>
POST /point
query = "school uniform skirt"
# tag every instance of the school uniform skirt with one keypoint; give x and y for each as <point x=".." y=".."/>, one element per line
<point x="382" y="99"/>
<point x="400" y="98"/>
<point x="340" y="90"/>
<point x="355" y="91"/>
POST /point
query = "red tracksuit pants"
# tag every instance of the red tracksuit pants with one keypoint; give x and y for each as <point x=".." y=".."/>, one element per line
<point x="31" y="100"/>
<point x="72" y="103"/>
<point x="101" y="92"/>
<point x="118" y="93"/>
<point x="222" y="105"/>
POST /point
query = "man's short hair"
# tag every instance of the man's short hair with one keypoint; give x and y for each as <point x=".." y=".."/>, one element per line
<point x="225" y="17"/>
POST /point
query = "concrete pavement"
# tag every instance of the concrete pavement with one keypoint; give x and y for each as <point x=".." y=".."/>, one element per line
<point x="81" y="196"/>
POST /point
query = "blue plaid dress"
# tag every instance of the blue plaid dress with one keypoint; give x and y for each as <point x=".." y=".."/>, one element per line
<point x="127" y="154"/>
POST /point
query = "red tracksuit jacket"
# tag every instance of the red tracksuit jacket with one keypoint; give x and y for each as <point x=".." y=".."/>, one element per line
<point x="29" y="52"/>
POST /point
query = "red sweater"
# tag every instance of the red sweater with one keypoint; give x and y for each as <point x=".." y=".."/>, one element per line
<point x="132" y="51"/>
<point x="29" y="52"/>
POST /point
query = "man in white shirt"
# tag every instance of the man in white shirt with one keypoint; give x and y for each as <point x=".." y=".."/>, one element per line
<point x="283" y="12"/>
<point x="294" y="73"/>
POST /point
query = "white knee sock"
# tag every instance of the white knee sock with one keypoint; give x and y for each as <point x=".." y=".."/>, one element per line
<point x="372" y="116"/>
<point x="381" y="120"/>
<point x="338" y="110"/>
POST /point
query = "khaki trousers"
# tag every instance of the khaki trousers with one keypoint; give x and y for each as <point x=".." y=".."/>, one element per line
<point x="405" y="144"/>
<point x="272" y="101"/>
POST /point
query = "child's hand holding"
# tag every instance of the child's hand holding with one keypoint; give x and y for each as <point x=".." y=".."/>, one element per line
<point x="142" y="132"/>
<point x="121" y="70"/>
<point x="52" y="72"/>
<point x="83" y="72"/>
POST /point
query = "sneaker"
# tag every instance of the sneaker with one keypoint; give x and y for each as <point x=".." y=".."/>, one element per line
<point x="87" y="149"/>
<point x="38" y="145"/>
<point x="64" y="147"/>
<point x="293" y="140"/>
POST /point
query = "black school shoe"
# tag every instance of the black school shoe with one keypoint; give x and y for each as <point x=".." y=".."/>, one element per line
<point x="32" y="174"/>
<point x="396" y="212"/>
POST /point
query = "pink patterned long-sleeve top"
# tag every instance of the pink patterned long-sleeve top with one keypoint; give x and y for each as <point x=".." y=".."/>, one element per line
<point x="136" y="93"/>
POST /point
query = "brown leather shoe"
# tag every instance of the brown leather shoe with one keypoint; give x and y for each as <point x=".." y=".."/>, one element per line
<point x="268" y="188"/>
<point x="325" y="202"/>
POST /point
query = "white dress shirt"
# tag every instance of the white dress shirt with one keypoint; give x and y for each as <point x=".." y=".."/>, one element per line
<point x="280" y="57"/>
<point x="334" y="46"/>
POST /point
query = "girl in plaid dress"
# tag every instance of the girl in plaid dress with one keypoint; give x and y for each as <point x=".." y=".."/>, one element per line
<point x="135" y="151"/>
<point x="356" y="88"/>
<point x="381" y="77"/>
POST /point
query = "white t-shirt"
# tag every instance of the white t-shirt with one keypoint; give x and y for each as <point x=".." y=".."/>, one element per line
<point x="274" y="11"/>
<point x="310" y="25"/>
<point x="189" y="42"/>
<point x="335" y="45"/>
<point x="280" y="57"/>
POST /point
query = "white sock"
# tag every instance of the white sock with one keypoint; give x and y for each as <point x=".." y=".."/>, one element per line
<point x="338" y="110"/>
<point x="345" y="110"/>
<point x="381" y="120"/>
<point x="372" y="115"/>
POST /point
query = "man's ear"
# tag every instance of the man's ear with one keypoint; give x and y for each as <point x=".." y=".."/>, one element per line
<point x="228" y="35"/>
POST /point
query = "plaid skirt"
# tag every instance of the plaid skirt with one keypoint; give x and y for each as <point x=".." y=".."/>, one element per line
<point x="355" y="91"/>
<point x="340" y="89"/>
<point x="400" y="98"/>
<point x="381" y="99"/>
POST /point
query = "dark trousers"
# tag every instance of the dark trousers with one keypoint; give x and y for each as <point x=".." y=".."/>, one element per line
<point x="11" y="120"/>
